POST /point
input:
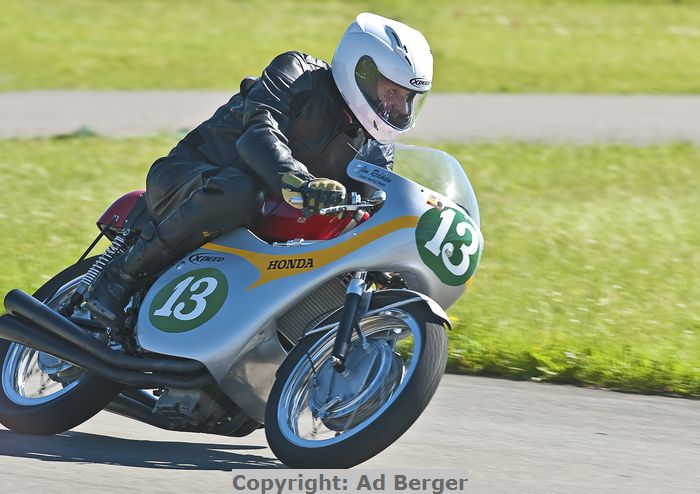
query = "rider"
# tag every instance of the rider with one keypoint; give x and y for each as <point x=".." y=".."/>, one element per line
<point x="300" y="120"/>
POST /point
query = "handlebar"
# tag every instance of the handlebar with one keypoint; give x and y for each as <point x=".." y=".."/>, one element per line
<point x="346" y="207"/>
<point x="376" y="201"/>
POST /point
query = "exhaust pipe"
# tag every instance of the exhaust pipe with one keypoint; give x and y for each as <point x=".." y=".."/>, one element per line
<point x="27" y="334"/>
<point x="126" y="406"/>
<point x="26" y="306"/>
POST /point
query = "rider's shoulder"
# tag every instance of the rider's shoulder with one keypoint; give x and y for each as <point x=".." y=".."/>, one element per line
<point x="296" y="62"/>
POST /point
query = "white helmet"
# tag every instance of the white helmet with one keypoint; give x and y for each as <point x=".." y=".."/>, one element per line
<point x="384" y="71"/>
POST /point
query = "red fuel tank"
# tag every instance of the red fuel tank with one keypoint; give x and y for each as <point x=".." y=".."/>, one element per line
<point x="282" y="222"/>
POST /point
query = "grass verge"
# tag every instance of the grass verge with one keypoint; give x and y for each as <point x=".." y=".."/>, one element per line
<point x="590" y="269"/>
<point x="601" y="46"/>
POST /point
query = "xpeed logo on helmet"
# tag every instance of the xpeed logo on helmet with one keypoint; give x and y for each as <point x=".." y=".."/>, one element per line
<point x="418" y="82"/>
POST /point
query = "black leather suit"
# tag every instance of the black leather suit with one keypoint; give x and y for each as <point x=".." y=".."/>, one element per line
<point x="291" y="119"/>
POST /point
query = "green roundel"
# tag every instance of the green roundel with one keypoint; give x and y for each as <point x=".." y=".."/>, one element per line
<point x="449" y="243"/>
<point x="189" y="300"/>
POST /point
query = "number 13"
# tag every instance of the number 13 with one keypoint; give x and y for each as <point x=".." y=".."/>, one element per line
<point x="198" y="298"/>
<point x="435" y="244"/>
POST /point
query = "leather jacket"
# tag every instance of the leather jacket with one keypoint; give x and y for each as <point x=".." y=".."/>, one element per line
<point x="291" y="119"/>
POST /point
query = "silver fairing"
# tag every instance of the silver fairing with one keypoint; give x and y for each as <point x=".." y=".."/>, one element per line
<point x="239" y="343"/>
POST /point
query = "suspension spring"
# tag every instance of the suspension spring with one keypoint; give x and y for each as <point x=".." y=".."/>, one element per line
<point x="118" y="246"/>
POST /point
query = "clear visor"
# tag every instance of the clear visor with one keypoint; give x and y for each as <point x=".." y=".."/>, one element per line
<point x="395" y="104"/>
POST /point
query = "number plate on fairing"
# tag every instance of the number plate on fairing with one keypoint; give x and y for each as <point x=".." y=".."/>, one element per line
<point x="449" y="243"/>
<point x="189" y="300"/>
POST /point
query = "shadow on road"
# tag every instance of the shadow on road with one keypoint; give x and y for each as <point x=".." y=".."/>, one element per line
<point x="79" y="447"/>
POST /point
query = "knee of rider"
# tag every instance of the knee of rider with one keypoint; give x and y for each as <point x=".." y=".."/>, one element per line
<point x="255" y="204"/>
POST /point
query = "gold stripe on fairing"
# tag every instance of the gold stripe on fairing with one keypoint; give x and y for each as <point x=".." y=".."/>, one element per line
<point x="268" y="265"/>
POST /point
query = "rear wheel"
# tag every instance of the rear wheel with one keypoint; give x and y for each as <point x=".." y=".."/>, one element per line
<point x="318" y="418"/>
<point x="40" y="393"/>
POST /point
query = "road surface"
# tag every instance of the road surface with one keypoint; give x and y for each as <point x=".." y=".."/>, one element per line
<point x="455" y="117"/>
<point x="511" y="437"/>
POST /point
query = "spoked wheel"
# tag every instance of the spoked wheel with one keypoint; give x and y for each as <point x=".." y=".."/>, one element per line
<point x="31" y="377"/>
<point x="317" y="417"/>
<point x="42" y="394"/>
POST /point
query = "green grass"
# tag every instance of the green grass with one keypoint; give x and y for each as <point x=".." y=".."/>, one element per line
<point x="589" y="274"/>
<point x="619" y="46"/>
<point x="590" y="269"/>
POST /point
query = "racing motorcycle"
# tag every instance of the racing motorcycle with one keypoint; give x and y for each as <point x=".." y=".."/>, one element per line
<point x="327" y="330"/>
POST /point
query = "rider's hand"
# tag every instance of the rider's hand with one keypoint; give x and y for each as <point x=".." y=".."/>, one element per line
<point x="322" y="193"/>
<point x="314" y="194"/>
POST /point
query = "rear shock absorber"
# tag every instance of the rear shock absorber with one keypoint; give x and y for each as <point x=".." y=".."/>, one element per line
<point x="117" y="247"/>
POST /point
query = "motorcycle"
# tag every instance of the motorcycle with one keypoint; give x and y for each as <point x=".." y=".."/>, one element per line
<point x="327" y="330"/>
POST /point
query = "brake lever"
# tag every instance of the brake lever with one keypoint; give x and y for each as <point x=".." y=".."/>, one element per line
<point x="339" y="209"/>
<point x="377" y="200"/>
<point x="347" y="207"/>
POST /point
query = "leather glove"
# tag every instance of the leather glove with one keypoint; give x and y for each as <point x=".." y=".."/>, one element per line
<point x="312" y="194"/>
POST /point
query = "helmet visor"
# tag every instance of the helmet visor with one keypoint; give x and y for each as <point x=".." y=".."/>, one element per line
<point x="394" y="104"/>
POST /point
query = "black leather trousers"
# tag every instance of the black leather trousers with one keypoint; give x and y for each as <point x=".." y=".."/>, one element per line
<point x="193" y="201"/>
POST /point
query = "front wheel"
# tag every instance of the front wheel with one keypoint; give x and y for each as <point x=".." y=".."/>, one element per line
<point x="41" y="394"/>
<point x="318" y="418"/>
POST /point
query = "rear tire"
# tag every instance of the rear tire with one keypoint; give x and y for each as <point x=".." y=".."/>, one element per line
<point x="74" y="403"/>
<point x="379" y="427"/>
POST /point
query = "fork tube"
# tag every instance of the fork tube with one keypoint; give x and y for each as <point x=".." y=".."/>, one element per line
<point x="353" y="296"/>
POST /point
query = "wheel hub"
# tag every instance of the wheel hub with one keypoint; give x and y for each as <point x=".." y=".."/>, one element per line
<point x="50" y="364"/>
<point x="343" y="400"/>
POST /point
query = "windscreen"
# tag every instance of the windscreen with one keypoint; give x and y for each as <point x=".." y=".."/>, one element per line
<point x="437" y="171"/>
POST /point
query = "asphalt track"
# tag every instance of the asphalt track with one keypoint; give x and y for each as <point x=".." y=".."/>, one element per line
<point x="637" y="119"/>
<point x="511" y="437"/>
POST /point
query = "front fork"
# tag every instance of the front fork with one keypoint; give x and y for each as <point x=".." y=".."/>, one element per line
<point x="357" y="300"/>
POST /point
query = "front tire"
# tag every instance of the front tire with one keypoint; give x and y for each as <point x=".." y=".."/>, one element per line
<point x="373" y="405"/>
<point x="33" y="401"/>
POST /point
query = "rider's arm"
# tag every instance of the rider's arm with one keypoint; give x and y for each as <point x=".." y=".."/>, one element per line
<point x="378" y="154"/>
<point x="282" y="90"/>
